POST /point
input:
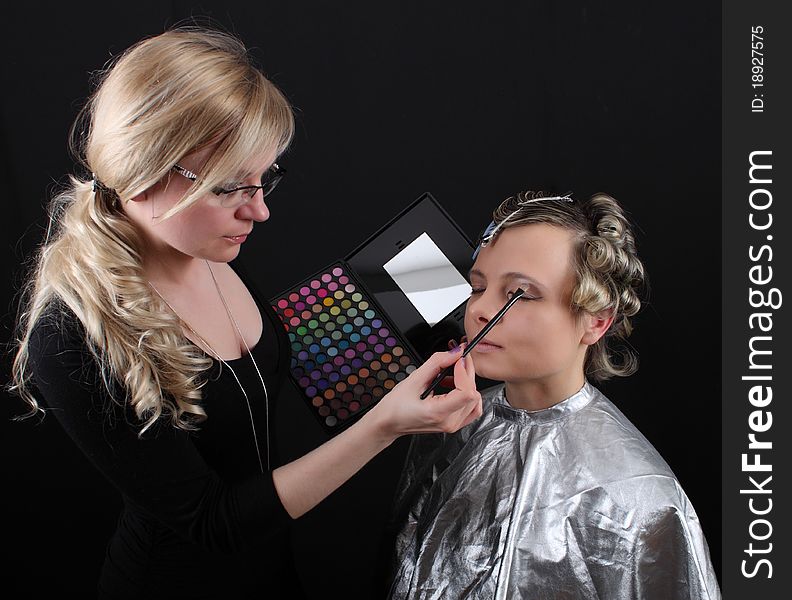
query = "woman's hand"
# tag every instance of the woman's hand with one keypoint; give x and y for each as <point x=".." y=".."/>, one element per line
<point x="403" y="412"/>
<point x="305" y="482"/>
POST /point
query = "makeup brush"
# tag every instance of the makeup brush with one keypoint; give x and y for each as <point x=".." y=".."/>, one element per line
<point x="518" y="293"/>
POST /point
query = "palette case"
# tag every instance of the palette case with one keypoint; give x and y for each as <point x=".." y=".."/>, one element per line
<point x="363" y="323"/>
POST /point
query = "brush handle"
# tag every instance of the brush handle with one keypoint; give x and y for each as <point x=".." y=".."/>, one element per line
<point x="440" y="376"/>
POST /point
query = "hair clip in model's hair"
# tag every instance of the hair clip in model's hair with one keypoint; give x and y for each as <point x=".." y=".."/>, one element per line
<point x="523" y="200"/>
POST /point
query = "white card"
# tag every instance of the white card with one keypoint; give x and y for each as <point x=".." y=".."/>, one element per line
<point x="428" y="279"/>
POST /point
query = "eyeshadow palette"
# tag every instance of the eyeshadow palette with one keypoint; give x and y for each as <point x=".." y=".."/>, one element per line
<point x="345" y="354"/>
<point x="362" y="324"/>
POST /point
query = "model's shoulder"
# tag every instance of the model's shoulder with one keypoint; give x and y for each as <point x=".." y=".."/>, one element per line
<point x="615" y="442"/>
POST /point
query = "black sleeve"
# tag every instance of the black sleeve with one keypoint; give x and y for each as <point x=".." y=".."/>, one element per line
<point x="162" y="473"/>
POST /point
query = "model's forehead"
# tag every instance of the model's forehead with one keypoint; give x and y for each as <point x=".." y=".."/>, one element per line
<point x="537" y="252"/>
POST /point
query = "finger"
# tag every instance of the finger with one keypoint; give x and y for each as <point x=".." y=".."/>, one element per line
<point x="475" y="412"/>
<point x="454" y="401"/>
<point x="467" y="377"/>
<point x="449" y="382"/>
<point x="474" y="415"/>
<point x="466" y="414"/>
<point x="440" y="360"/>
<point x="464" y="377"/>
<point x="426" y="373"/>
<point x="470" y="367"/>
<point x="443" y="406"/>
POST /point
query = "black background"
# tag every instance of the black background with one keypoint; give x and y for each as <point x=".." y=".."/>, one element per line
<point x="470" y="102"/>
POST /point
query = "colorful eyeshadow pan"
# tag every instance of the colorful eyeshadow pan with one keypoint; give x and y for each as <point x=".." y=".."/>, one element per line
<point x="345" y="355"/>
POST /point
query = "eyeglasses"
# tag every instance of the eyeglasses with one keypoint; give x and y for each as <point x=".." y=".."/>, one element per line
<point x="238" y="196"/>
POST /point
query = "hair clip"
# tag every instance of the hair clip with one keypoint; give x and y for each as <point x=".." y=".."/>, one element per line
<point x="526" y="201"/>
<point x="485" y="238"/>
<point x="98" y="186"/>
<point x="492" y="229"/>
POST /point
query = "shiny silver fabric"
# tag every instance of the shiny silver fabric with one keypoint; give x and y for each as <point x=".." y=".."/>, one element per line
<point x="567" y="502"/>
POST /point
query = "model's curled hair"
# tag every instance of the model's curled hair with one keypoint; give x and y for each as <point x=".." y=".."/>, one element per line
<point x="609" y="276"/>
<point x="165" y="97"/>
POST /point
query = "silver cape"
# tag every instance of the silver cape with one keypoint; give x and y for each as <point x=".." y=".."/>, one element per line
<point x="567" y="502"/>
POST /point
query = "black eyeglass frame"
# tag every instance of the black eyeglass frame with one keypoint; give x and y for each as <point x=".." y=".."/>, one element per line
<point x="275" y="171"/>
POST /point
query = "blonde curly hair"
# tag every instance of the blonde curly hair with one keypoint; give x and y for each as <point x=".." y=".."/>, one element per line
<point x="608" y="273"/>
<point x="163" y="98"/>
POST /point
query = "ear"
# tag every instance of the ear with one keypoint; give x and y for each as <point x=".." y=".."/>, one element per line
<point x="595" y="326"/>
<point x="134" y="205"/>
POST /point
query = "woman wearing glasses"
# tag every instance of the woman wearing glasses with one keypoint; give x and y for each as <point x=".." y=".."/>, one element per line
<point x="553" y="493"/>
<point x="155" y="355"/>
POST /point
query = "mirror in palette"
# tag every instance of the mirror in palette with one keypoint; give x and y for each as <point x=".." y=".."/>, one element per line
<point x="427" y="277"/>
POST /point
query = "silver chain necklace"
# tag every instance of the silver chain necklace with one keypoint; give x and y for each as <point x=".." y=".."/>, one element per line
<point x="216" y="355"/>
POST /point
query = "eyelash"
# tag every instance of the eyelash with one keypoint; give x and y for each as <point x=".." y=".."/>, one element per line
<point x="476" y="291"/>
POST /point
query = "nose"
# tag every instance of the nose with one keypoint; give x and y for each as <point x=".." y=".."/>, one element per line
<point x="484" y="308"/>
<point x="254" y="209"/>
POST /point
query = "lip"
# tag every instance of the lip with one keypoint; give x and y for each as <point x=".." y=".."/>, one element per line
<point x="236" y="239"/>
<point x="486" y="346"/>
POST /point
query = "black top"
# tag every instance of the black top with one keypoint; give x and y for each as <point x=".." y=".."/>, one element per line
<point x="199" y="518"/>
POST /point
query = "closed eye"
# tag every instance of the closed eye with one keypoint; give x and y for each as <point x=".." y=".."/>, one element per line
<point x="526" y="297"/>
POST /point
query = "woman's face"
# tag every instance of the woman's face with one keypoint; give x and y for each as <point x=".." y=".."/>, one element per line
<point x="205" y="229"/>
<point x="539" y="339"/>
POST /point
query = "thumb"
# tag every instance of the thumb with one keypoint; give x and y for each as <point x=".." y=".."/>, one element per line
<point x="436" y="363"/>
<point x="441" y="360"/>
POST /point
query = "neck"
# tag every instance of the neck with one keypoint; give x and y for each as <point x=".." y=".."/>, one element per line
<point x="184" y="289"/>
<point x="544" y="393"/>
<point x="175" y="272"/>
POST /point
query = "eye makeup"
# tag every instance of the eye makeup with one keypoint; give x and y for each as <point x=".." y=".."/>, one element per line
<point x="362" y="324"/>
<point x="509" y="281"/>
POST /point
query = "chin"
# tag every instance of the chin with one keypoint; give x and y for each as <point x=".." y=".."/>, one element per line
<point x="490" y="368"/>
<point x="224" y="256"/>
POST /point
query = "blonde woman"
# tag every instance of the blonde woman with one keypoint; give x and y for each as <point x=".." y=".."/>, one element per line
<point x="553" y="493"/>
<point x="157" y="357"/>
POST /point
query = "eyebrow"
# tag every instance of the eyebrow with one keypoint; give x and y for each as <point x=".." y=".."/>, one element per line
<point x="242" y="175"/>
<point x="508" y="276"/>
